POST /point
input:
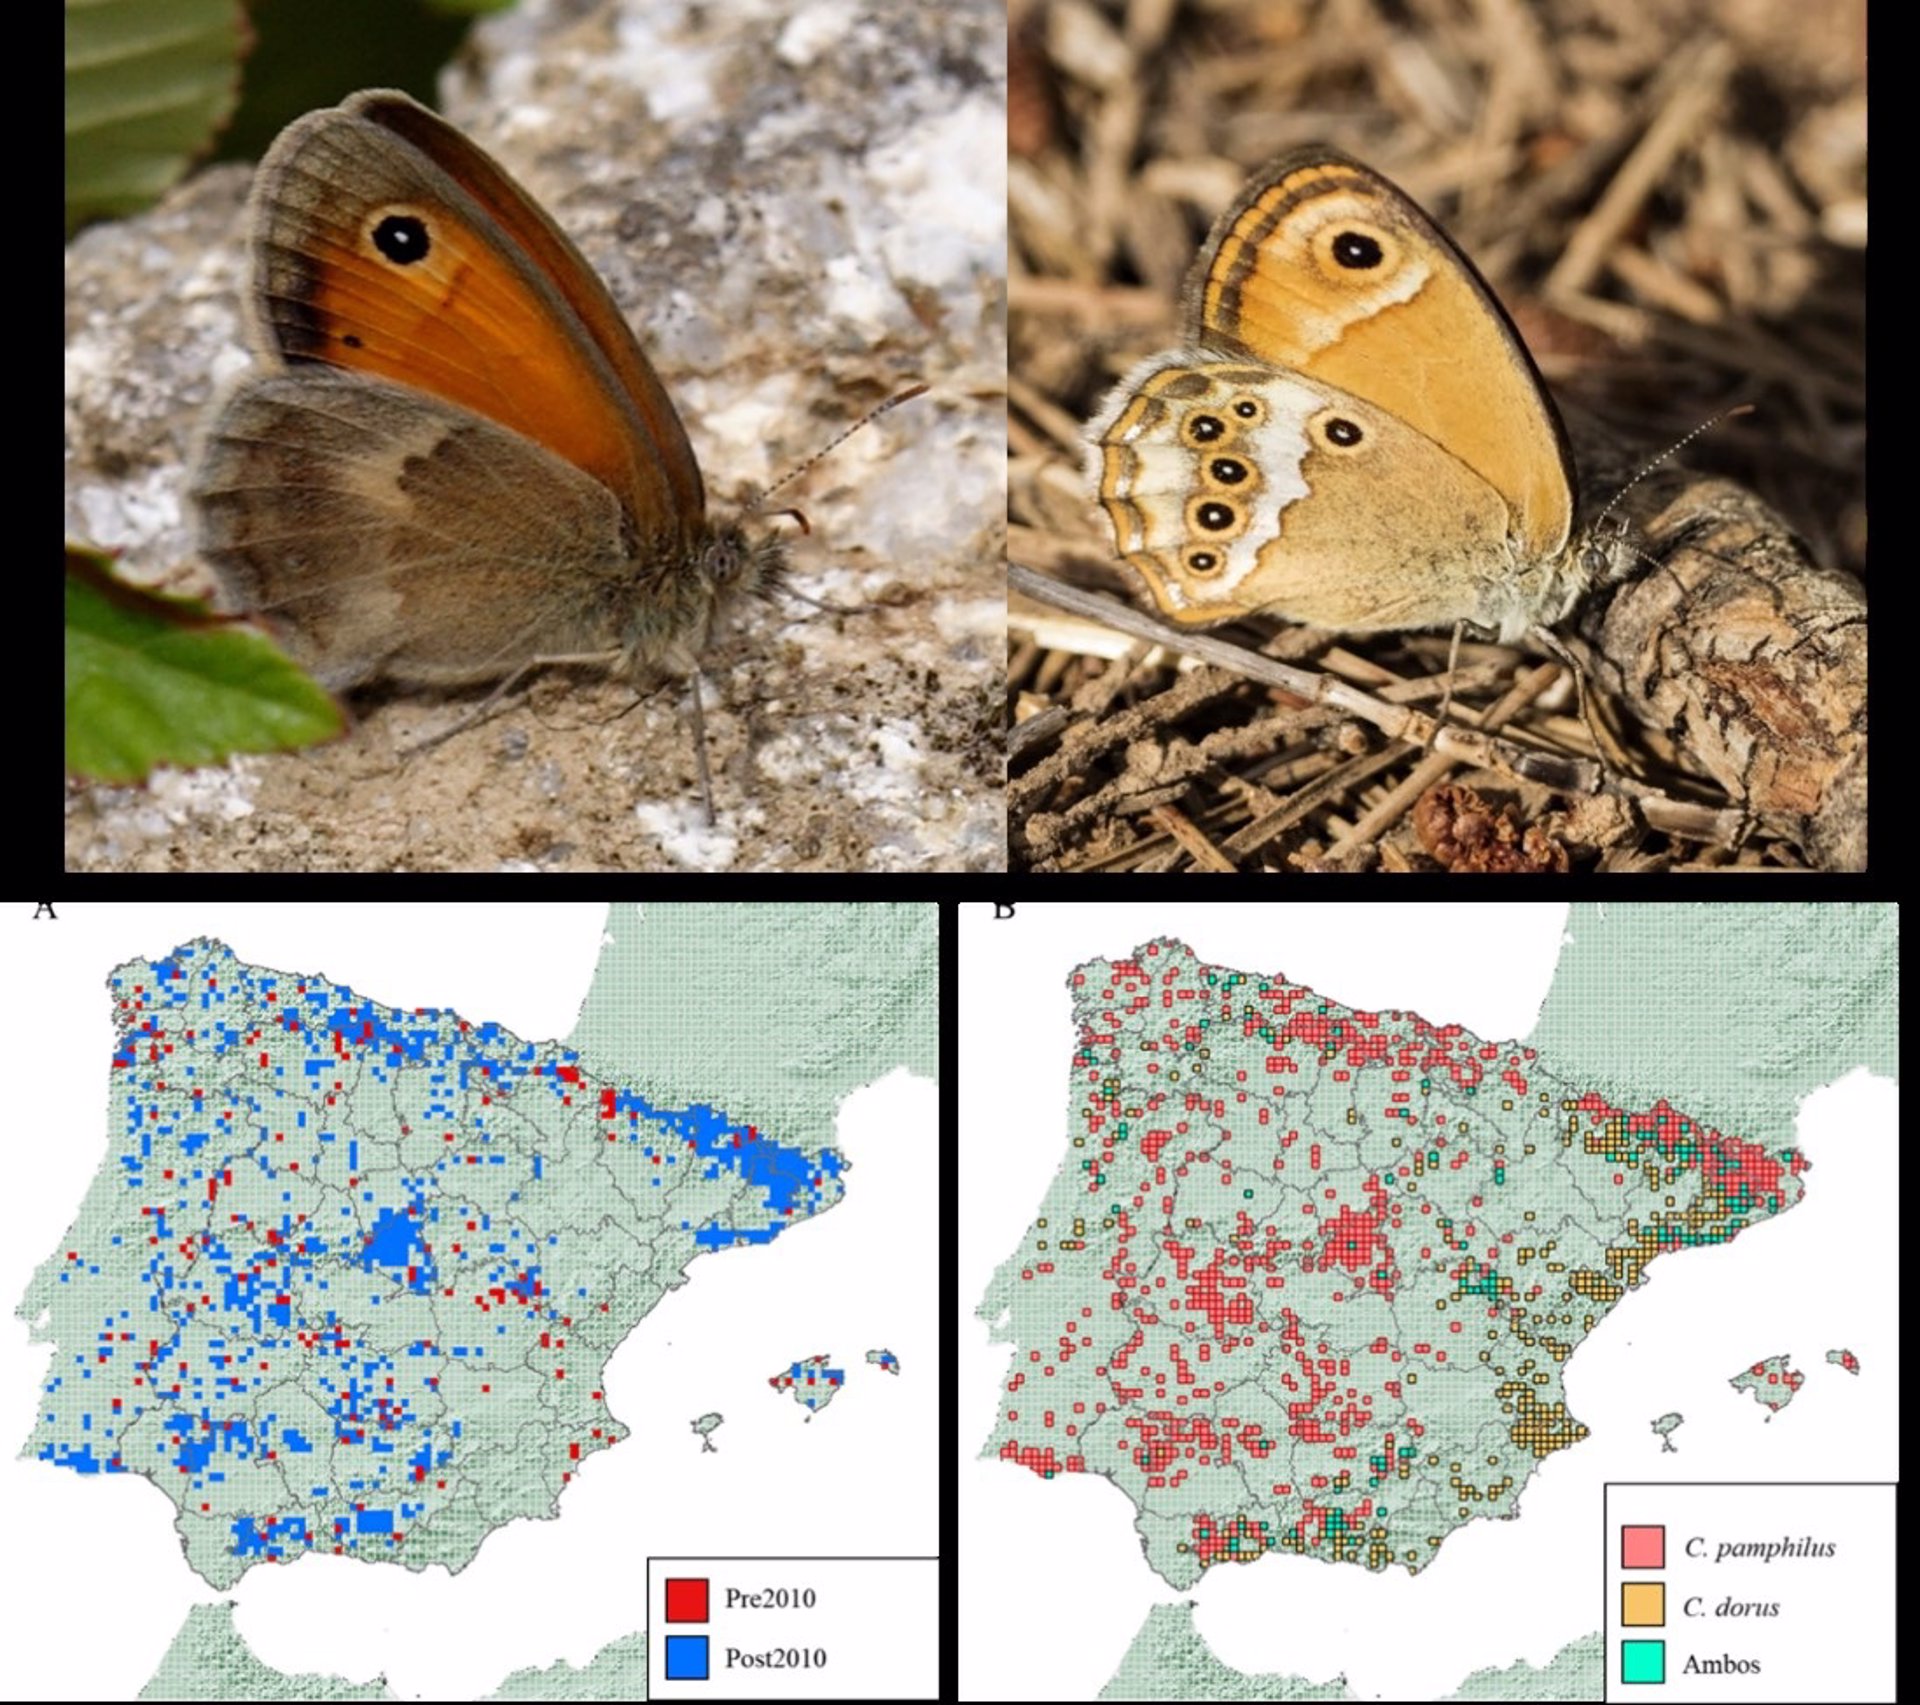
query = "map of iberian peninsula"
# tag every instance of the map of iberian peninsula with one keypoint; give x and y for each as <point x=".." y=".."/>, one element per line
<point x="348" y="1275"/>
<point x="1307" y="1277"/>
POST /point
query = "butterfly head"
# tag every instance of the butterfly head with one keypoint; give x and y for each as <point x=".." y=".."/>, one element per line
<point x="732" y="562"/>
<point x="680" y="591"/>
<point x="1607" y="554"/>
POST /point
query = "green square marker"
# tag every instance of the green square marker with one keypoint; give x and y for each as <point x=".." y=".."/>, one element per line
<point x="1643" y="1660"/>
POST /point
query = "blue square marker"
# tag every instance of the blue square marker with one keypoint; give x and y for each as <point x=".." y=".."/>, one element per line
<point x="686" y="1657"/>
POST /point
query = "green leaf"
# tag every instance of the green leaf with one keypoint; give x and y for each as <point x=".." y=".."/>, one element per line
<point x="314" y="53"/>
<point x="159" y="680"/>
<point x="149" y="83"/>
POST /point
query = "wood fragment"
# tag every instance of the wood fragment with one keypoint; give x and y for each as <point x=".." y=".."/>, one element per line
<point x="1690" y="89"/>
<point x="1436" y="766"/>
<point x="1205" y="855"/>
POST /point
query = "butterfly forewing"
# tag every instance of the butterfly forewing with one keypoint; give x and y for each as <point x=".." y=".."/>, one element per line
<point x="1324" y="267"/>
<point x="374" y="256"/>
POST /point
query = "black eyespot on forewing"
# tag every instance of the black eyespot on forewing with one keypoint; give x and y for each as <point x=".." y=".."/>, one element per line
<point x="1343" y="432"/>
<point x="402" y="238"/>
<point x="352" y="342"/>
<point x="1356" y="251"/>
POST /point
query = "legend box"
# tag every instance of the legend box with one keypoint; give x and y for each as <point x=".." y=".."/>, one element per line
<point x="721" y="1628"/>
<point x="1750" y="1591"/>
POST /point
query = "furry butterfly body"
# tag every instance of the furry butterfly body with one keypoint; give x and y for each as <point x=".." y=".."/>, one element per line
<point x="454" y="460"/>
<point x="1351" y="434"/>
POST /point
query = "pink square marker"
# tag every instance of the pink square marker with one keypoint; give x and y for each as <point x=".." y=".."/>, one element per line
<point x="1643" y="1548"/>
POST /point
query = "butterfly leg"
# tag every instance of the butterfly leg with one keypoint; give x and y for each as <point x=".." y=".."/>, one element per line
<point x="700" y="746"/>
<point x="492" y="704"/>
<point x="1609" y="752"/>
<point x="1446" y="700"/>
<point x="825" y="604"/>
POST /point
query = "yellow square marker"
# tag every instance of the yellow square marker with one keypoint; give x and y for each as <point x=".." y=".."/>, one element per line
<point x="1643" y="1604"/>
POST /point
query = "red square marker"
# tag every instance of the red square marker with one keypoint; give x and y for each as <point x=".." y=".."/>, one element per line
<point x="686" y="1601"/>
<point x="1643" y="1548"/>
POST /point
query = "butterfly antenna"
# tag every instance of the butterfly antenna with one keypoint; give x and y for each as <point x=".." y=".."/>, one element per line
<point x="1667" y="454"/>
<point x="792" y="474"/>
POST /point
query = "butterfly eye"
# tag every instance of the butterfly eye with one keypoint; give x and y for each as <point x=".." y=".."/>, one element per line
<point x="1202" y="562"/>
<point x="722" y="560"/>
<point x="1356" y="251"/>
<point x="402" y="238"/>
<point x="1226" y="470"/>
<point x="1205" y="428"/>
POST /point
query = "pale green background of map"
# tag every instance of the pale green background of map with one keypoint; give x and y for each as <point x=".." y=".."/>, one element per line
<point x="209" y="1660"/>
<point x="856" y="995"/>
<point x="1734" y="1012"/>
<point x="1169" y="1660"/>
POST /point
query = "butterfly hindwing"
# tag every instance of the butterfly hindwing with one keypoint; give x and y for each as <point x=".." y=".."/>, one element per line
<point x="389" y="535"/>
<point x="1232" y="488"/>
